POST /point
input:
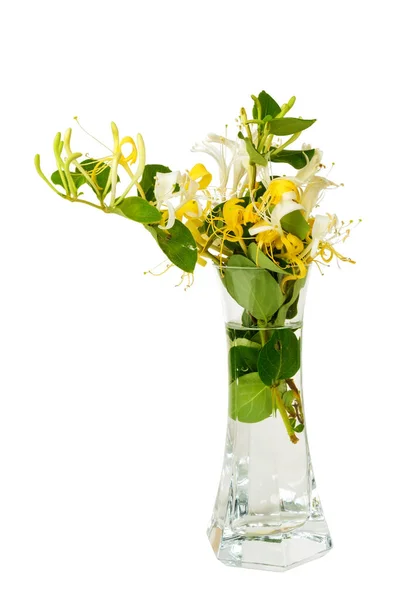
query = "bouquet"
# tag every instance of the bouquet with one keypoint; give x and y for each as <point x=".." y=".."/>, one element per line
<point x="260" y="228"/>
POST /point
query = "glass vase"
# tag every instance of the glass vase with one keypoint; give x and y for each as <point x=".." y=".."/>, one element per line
<point x="267" y="513"/>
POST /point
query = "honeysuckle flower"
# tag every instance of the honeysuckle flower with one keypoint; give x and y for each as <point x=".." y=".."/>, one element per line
<point x="252" y="212"/>
<point x="170" y="186"/>
<point x="118" y="158"/>
<point x="312" y="167"/>
<point x="232" y="213"/>
<point x="199" y="175"/>
<point x="272" y="221"/>
<point x="164" y="191"/>
<point x="215" y="146"/>
<point x="321" y="227"/>
<point x="265" y="175"/>
<point x="269" y="231"/>
<point x="312" y="193"/>
<point x="165" y="186"/>
<point x="249" y="204"/>
<point x="281" y="189"/>
<point x="326" y="232"/>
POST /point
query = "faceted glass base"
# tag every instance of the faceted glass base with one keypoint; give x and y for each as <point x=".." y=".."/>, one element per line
<point x="267" y="514"/>
<point x="273" y="552"/>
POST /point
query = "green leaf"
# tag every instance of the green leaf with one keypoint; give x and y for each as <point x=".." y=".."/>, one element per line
<point x="295" y="223"/>
<point x="268" y="106"/>
<point x="295" y="158"/>
<point x="139" y="210"/>
<point x="292" y="309"/>
<point x="249" y="399"/>
<point x="254" y="289"/>
<point x="254" y="156"/>
<point x="259" y="258"/>
<point x="247" y="321"/>
<point x="152" y="230"/>
<point x="256" y="339"/>
<point x="280" y="357"/>
<point x="299" y="428"/>
<point x="147" y="182"/>
<point x="179" y="246"/>
<point x="242" y="360"/>
<point x="78" y="179"/>
<point x="289" y="125"/>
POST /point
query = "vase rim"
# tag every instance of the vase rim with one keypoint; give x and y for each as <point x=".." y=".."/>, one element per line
<point x="233" y="268"/>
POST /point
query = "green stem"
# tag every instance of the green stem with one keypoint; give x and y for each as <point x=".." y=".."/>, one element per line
<point x="211" y="256"/>
<point x="87" y="202"/>
<point x="281" y="407"/>
<point x="263" y="336"/>
<point x="140" y="190"/>
<point x="296" y="392"/>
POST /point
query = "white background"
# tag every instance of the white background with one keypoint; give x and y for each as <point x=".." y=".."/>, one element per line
<point x="113" y="391"/>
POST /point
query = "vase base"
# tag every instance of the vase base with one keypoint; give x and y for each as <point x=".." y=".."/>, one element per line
<point x="273" y="552"/>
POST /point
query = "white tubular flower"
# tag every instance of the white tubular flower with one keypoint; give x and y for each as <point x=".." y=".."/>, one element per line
<point x="165" y="186"/>
<point x="321" y="228"/>
<point x="273" y="221"/>
<point x="164" y="191"/>
<point x="312" y="167"/>
<point x="312" y="193"/>
<point x="216" y="145"/>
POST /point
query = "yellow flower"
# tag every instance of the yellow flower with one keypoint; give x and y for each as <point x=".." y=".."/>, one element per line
<point x="200" y="174"/>
<point x="233" y="216"/>
<point x="250" y="214"/>
<point x="189" y="210"/>
<point x="280" y="189"/>
<point x="132" y="156"/>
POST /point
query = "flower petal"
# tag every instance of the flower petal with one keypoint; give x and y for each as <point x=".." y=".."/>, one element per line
<point x="320" y="228"/>
<point x="165" y="185"/>
<point x="260" y="227"/>
<point x="313" y="191"/>
<point x="171" y="216"/>
<point x="283" y="208"/>
<point x="305" y="174"/>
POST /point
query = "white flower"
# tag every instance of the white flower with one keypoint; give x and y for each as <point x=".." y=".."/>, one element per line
<point x="165" y="186"/>
<point x="164" y="191"/>
<point x="265" y="174"/>
<point x="321" y="228"/>
<point x="312" y="167"/>
<point x="170" y="187"/>
<point x="216" y="146"/>
<point x="312" y="193"/>
<point x="314" y="184"/>
<point x="273" y="221"/>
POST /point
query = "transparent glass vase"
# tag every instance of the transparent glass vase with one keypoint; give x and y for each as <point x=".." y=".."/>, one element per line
<point x="267" y="513"/>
